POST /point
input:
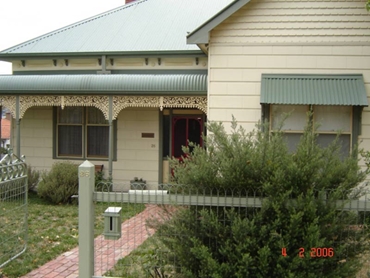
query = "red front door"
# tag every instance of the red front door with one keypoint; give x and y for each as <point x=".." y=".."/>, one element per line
<point x="185" y="129"/>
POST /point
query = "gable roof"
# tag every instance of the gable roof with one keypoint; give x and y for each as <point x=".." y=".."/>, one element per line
<point x="201" y="34"/>
<point x="141" y="26"/>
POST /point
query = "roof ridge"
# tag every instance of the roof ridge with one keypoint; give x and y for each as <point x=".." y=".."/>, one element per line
<point x="70" y="26"/>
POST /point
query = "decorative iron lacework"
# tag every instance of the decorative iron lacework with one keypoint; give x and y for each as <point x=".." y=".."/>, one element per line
<point x="102" y="102"/>
<point x="121" y="102"/>
<point x="186" y="102"/>
<point x="26" y="102"/>
<point x="10" y="103"/>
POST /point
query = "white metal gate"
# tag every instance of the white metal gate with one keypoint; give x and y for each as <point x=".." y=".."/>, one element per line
<point x="13" y="208"/>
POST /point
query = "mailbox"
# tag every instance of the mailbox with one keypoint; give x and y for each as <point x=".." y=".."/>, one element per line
<point x="112" y="223"/>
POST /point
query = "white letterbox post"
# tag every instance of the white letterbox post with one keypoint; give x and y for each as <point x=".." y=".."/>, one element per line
<point x="112" y="223"/>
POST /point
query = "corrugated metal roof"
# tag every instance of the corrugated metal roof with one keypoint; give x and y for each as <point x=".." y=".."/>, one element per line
<point x="149" y="84"/>
<point x="143" y="25"/>
<point x="313" y="89"/>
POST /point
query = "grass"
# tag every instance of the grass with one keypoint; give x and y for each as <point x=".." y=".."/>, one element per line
<point x="53" y="230"/>
<point x="148" y="260"/>
<point x="365" y="270"/>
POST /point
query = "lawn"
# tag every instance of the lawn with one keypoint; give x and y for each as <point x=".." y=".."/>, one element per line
<point x="148" y="260"/>
<point x="53" y="230"/>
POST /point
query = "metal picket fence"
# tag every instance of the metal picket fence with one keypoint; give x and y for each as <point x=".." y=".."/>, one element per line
<point x="13" y="208"/>
<point x="123" y="249"/>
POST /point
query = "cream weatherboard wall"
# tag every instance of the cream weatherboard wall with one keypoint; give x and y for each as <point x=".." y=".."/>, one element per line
<point x="321" y="37"/>
<point x="136" y="156"/>
<point x="36" y="137"/>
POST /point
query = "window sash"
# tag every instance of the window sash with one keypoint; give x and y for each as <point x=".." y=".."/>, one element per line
<point x="295" y="121"/>
<point x="70" y="115"/>
<point x="330" y="121"/>
<point x="95" y="116"/>
<point x="82" y="132"/>
<point x="97" y="141"/>
<point x="333" y="118"/>
<point x="70" y="140"/>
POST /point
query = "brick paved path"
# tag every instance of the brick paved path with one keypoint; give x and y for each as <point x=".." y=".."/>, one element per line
<point x="107" y="252"/>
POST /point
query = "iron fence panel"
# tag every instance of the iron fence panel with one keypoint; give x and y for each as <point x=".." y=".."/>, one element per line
<point x="139" y="251"/>
<point x="13" y="208"/>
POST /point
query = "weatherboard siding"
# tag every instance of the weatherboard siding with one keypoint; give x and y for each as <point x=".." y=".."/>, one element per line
<point x="277" y="21"/>
<point x="36" y="137"/>
<point x="137" y="156"/>
<point x="312" y="37"/>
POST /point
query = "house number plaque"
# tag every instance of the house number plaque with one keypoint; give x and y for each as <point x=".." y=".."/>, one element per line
<point x="84" y="174"/>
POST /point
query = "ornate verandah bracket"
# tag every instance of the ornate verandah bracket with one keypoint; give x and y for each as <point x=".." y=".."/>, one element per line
<point x="122" y="102"/>
<point x="186" y="102"/>
<point x="10" y="103"/>
<point x="26" y="102"/>
<point x="102" y="102"/>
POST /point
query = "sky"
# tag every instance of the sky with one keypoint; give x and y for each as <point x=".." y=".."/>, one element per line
<point x="22" y="20"/>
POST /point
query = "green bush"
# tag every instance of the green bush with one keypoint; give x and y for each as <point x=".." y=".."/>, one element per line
<point x="102" y="184"/>
<point x="3" y="150"/>
<point x="33" y="178"/>
<point x="246" y="242"/>
<point x="60" y="183"/>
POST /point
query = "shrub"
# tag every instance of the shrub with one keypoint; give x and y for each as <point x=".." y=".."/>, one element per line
<point x="60" y="183"/>
<point x="33" y="178"/>
<point x="3" y="150"/>
<point x="233" y="242"/>
<point x="102" y="184"/>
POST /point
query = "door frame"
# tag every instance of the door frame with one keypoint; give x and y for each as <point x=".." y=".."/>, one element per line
<point x="187" y="117"/>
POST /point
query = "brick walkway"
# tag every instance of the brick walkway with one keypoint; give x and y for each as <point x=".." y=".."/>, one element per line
<point x="107" y="252"/>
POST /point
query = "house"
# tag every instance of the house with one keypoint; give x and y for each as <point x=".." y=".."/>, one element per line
<point x="5" y="130"/>
<point x="129" y="87"/>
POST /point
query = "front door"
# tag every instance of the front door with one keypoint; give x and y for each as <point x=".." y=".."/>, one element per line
<point x="185" y="129"/>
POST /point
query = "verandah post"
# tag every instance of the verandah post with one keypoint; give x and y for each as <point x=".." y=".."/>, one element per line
<point x="110" y="150"/>
<point x="86" y="182"/>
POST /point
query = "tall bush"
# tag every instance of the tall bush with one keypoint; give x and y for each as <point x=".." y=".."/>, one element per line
<point x="60" y="183"/>
<point x="232" y="242"/>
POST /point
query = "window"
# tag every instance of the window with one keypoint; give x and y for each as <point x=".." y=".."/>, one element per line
<point x="330" y="120"/>
<point x="336" y="101"/>
<point x="81" y="132"/>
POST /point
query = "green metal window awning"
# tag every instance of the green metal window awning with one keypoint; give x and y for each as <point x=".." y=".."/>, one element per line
<point x="305" y="89"/>
<point x="120" y="84"/>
